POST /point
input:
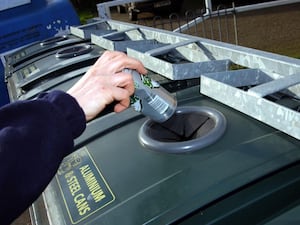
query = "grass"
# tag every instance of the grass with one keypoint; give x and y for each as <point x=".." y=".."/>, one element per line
<point x="85" y="15"/>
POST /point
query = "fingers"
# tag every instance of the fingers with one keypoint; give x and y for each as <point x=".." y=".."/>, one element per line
<point x="118" y="61"/>
<point x="105" y="83"/>
<point x="122" y="105"/>
<point x="123" y="80"/>
<point x="121" y="92"/>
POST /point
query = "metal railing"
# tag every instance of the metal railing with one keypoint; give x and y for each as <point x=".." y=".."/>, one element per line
<point x="233" y="10"/>
<point x="217" y="23"/>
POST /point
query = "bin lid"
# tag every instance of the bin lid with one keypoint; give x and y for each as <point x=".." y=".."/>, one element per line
<point x="251" y="171"/>
<point x="113" y="178"/>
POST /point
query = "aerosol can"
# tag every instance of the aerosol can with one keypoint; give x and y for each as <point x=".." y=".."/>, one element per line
<point x="151" y="99"/>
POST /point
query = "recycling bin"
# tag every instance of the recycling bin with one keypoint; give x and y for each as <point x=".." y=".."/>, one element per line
<point x="26" y="21"/>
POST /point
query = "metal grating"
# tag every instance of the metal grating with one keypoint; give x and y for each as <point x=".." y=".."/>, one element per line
<point x="262" y="85"/>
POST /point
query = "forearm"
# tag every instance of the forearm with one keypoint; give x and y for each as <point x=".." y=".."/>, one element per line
<point x="34" y="137"/>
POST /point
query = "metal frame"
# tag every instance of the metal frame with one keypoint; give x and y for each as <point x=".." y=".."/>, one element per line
<point x="210" y="61"/>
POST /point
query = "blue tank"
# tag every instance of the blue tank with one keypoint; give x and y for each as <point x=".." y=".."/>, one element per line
<point x="28" y="21"/>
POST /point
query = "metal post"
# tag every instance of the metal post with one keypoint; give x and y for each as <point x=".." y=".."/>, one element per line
<point x="104" y="8"/>
<point x="235" y="24"/>
<point x="208" y="5"/>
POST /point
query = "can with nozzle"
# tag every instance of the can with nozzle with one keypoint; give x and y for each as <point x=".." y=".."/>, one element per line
<point x="151" y="99"/>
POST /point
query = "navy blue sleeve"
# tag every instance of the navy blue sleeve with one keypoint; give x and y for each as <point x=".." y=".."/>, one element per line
<point x="35" y="136"/>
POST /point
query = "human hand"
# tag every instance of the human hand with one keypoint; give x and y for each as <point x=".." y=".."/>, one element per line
<point x="105" y="83"/>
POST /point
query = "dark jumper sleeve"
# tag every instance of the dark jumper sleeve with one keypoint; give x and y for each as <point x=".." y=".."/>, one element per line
<point x="35" y="136"/>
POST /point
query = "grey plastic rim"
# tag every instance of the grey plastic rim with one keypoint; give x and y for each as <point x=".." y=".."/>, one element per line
<point x="191" y="145"/>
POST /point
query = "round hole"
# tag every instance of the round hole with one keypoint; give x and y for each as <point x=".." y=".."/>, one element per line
<point x="190" y="129"/>
<point x="74" y="51"/>
<point x="53" y="40"/>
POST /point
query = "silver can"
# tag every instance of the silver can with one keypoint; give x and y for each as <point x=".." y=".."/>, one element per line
<point x="151" y="99"/>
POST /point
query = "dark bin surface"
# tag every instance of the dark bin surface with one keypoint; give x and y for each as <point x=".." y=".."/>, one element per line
<point x="141" y="186"/>
<point x="156" y="188"/>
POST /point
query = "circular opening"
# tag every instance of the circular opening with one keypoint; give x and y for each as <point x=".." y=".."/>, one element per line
<point x="189" y="129"/>
<point x="74" y="51"/>
<point x="53" y="40"/>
